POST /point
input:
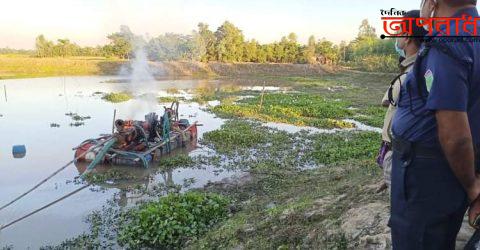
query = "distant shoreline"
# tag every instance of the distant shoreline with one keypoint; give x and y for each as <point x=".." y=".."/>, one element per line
<point x="19" y="66"/>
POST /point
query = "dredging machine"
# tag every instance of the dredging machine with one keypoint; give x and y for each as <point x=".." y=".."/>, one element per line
<point x="138" y="143"/>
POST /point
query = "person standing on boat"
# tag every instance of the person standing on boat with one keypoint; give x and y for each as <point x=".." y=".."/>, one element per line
<point x="407" y="48"/>
<point x="436" y="129"/>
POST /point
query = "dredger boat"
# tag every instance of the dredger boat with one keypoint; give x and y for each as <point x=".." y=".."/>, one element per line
<point x="138" y="143"/>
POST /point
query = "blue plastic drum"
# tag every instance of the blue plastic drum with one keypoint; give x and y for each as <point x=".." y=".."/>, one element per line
<point x="19" y="151"/>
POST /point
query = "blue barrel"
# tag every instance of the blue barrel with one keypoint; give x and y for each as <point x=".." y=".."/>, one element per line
<point x="19" y="151"/>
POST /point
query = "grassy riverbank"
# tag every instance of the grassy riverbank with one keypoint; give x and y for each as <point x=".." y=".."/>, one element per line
<point x="24" y="66"/>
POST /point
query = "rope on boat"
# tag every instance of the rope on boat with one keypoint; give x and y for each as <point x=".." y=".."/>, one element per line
<point x="50" y="176"/>
<point x="44" y="207"/>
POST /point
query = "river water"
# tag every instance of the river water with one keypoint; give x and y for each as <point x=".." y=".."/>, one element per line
<point x="26" y="115"/>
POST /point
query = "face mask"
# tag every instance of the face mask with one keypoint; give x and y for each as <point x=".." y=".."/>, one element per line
<point x="400" y="51"/>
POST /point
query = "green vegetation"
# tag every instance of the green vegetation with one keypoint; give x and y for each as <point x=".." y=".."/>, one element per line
<point x="242" y="136"/>
<point x="25" y="66"/>
<point x="235" y="134"/>
<point x="295" y="210"/>
<point x="63" y="48"/>
<point x="284" y="208"/>
<point x="299" y="109"/>
<point x="168" y="99"/>
<point x="112" y="175"/>
<point x="117" y="97"/>
<point x="179" y="160"/>
<point x="295" y="191"/>
<point x="172" y="221"/>
<point x="340" y="147"/>
<point x="299" y="190"/>
<point x="228" y="44"/>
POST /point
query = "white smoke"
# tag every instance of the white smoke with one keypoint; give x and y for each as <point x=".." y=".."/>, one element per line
<point x="141" y="77"/>
<point x="142" y="83"/>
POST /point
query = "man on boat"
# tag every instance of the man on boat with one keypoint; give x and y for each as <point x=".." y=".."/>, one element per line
<point x="129" y="135"/>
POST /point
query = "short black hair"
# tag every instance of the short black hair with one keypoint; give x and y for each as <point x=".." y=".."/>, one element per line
<point x="417" y="32"/>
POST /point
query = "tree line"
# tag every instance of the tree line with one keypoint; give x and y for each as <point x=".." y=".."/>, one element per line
<point x="228" y="44"/>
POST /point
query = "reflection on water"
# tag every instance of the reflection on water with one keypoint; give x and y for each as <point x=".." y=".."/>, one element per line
<point x="35" y="116"/>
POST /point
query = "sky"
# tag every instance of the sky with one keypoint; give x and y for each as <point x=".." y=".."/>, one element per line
<point x="87" y="22"/>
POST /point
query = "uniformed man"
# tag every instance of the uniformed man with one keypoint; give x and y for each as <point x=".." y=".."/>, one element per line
<point x="407" y="48"/>
<point x="436" y="128"/>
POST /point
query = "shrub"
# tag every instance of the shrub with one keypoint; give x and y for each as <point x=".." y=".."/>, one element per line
<point x="236" y="134"/>
<point x="173" y="220"/>
<point x="340" y="147"/>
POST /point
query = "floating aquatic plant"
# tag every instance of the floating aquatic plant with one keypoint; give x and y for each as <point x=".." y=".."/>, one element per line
<point x="117" y="97"/>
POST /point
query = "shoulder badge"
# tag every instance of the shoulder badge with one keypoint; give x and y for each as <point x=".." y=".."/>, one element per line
<point x="428" y="79"/>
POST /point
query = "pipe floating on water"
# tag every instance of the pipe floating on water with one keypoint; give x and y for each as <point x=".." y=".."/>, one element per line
<point x="79" y="156"/>
<point x="100" y="155"/>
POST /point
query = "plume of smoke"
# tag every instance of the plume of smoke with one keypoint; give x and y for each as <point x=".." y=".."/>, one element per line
<point x="141" y="77"/>
<point x="141" y="81"/>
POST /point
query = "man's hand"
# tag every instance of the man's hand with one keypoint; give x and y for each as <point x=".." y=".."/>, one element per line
<point x="473" y="213"/>
<point x="474" y="192"/>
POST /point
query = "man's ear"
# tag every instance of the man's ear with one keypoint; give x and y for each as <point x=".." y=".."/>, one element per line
<point x="434" y="4"/>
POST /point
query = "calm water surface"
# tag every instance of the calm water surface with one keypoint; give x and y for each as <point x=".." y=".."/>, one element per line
<point x="25" y="118"/>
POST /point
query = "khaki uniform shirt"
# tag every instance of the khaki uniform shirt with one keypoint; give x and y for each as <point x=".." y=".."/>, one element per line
<point x="407" y="65"/>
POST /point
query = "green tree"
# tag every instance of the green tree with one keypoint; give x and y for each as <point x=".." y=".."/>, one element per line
<point x="292" y="49"/>
<point x="229" y="43"/>
<point x="261" y="54"/>
<point x="328" y="51"/>
<point x="343" y="50"/>
<point x="171" y="46"/>
<point x="269" y="51"/>
<point x="288" y="50"/>
<point x="43" y="47"/>
<point x="279" y="51"/>
<point x="206" y="43"/>
<point x="65" y="48"/>
<point x="122" y="42"/>
<point x="310" y="51"/>
<point x="366" y="30"/>
<point x="251" y="51"/>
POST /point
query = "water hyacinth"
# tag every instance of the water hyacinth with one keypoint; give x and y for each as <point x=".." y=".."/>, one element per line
<point x="117" y="97"/>
<point x="172" y="220"/>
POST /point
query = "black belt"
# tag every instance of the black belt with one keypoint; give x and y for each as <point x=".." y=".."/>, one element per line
<point x="425" y="151"/>
<point x="417" y="149"/>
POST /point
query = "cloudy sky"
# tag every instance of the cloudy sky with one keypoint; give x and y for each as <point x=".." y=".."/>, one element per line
<point x="87" y="22"/>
